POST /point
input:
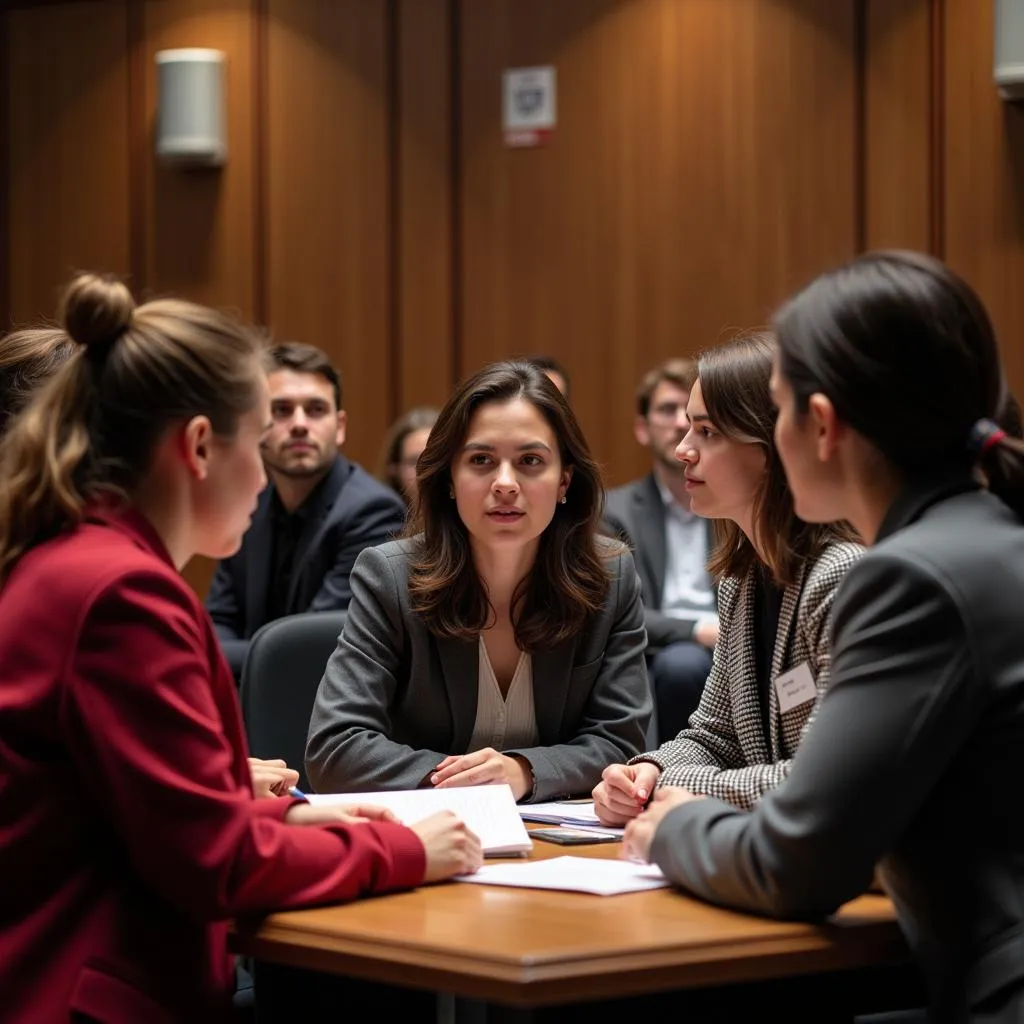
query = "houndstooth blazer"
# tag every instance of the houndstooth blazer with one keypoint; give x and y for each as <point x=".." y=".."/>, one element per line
<point x="724" y="752"/>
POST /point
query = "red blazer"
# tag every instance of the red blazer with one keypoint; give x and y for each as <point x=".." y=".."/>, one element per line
<point x="128" y="830"/>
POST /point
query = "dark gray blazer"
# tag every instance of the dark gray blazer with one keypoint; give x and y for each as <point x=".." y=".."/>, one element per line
<point x="635" y="514"/>
<point x="353" y="511"/>
<point x="914" y="761"/>
<point x="395" y="700"/>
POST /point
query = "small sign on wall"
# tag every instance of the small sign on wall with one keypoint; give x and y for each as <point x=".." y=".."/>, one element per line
<point x="529" y="112"/>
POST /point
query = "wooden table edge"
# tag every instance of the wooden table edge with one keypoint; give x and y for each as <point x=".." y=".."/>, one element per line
<point x="533" y="982"/>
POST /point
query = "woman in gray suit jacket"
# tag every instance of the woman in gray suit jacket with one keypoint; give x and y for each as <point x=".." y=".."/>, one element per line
<point x="503" y="641"/>
<point x="888" y="383"/>
<point x="776" y="577"/>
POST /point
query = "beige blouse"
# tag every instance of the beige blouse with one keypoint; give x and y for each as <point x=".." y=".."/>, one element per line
<point x="504" y="723"/>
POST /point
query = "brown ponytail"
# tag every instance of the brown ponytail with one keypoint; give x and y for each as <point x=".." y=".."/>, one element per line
<point x="92" y="430"/>
<point x="27" y="359"/>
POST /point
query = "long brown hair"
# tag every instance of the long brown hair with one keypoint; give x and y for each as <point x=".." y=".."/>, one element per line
<point x="91" y="431"/>
<point x="27" y="359"/>
<point x="734" y="382"/>
<point x="568" y="582"/>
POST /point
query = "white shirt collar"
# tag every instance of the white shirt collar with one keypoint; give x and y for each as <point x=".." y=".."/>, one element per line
<point x="670" y="503"/>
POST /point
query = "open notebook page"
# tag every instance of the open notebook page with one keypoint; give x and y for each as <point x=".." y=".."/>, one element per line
<point x="489" y="811"/>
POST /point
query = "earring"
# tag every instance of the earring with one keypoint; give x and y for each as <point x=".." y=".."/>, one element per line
<point x="451" y="492"/>
<point x="562" y="500"/>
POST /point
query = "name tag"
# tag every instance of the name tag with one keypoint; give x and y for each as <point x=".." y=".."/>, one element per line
<point x="795" y="687"/>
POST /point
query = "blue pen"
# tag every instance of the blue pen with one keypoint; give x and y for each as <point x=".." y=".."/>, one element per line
<point x="297" y="793"/>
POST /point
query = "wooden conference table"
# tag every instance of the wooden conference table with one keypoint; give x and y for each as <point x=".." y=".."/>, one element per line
<point x="532" y="948"/>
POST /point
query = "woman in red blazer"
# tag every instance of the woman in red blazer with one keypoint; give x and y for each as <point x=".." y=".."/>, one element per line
<point x="128" y="829"/>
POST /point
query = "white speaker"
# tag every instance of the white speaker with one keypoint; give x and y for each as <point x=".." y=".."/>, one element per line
<point x="1009" y="48"/>
<point x="191" y="118"/>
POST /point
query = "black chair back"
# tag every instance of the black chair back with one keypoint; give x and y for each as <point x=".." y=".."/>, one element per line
<point x="282" y="673"/>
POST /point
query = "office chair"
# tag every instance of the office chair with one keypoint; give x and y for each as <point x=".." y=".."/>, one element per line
<point x="280" y="678"/>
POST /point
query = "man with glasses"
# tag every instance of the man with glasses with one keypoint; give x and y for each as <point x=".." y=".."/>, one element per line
<point x="671" y="547"/>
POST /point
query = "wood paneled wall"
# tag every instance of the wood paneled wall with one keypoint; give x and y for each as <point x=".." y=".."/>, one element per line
<point x="703" y="166"/>
<point x="67" y="149"/>
<point x="983" y="178"/>
<point x="709" y="157"/>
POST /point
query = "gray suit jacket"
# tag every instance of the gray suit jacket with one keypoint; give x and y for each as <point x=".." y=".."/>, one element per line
<point x="725" y="752"/>
<point x="395" y="700"/>
<point x="635" y="514"/>
<point x="914" y="760"/>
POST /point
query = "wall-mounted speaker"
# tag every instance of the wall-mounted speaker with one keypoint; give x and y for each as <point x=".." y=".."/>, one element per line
<point x="1009" y="48"/>
<point x="191" y="128"/>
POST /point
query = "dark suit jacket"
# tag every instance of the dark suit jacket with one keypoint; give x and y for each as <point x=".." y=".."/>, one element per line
<point x="914" y="760"/>
<point x="353" y="511"/>
<point x="395" y="700"/>
<point x="128" y="831"/>
<point x="635" y="514"/>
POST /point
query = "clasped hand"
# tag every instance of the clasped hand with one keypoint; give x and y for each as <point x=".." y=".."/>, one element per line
<point x="271" y="778"/>
<point x="481" y="768"/>
<point x="623" y="791"/>
<point x="636" y="843"/>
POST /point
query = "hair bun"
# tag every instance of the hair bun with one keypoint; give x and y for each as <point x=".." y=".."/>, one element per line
<point x="96" y="309"/>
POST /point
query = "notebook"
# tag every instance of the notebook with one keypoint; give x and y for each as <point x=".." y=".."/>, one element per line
<point x="489" y="811"/>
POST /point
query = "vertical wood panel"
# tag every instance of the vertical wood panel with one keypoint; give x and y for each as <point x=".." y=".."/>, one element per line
<point x="937" y="127"/>
<point x="702" y="167"/>
<point x="327" y="184"/>
<point x="898" y="77"/>
<point x="260" y="198"/>
<point x="984" y="195"/>
<point x="200" y="239"/>
<point x="138" y="150"/>
<point x="67" y="67"/>
<point x="6" y="153"/>
<point x="425" y="286"/>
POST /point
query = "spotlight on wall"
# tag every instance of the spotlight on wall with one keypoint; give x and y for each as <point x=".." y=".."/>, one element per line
<point x="1008" y="68"/>
<point x="191" y="128"/>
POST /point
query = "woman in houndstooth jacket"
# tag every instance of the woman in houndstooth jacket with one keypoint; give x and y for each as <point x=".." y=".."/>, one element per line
<point x="777" y="576"/>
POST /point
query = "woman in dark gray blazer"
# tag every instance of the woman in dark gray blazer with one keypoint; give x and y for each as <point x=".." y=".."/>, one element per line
<point x="503" y="641"/>
<point x="776" y="580"/>
<point x="889" y="386"/>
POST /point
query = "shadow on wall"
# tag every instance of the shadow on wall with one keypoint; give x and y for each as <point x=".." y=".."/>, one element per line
<point x="1012" y="227"/>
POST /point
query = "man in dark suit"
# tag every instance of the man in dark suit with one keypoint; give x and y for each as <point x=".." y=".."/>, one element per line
<point x="318" y="513"/>
<point x="671" y="547"/>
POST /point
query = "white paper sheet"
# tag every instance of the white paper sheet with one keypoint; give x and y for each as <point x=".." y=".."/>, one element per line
<point x="573" y="874"/>
<point x="489" y="811"/>
<point x="560" y="813"/>
<point x="598" y="830"/>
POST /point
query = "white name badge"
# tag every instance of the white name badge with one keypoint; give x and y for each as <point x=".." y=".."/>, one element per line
<point x="795" y="687"/>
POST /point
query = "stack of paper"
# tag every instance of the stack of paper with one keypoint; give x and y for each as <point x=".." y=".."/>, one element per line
<point x="489" y="811"/>
<point x="561" y="813"/>
<point x="573" y="874"/>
